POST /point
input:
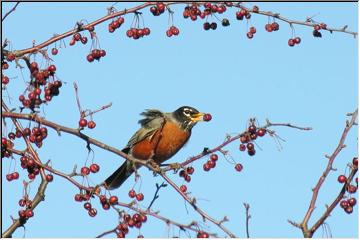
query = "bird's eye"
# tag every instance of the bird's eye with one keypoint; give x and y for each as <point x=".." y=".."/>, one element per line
<point x="187" y="111"/>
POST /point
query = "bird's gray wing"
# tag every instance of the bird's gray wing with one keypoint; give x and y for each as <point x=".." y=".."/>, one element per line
<point x="153" y="120"/>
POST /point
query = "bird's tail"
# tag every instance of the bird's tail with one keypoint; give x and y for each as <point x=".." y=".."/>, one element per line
<point x="119" y="176"/>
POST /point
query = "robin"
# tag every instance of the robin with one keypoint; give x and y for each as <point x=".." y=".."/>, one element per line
<point x="160" y="137"/>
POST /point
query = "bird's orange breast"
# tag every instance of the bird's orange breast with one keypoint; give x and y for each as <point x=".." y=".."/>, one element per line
<point x="164" y="143"/>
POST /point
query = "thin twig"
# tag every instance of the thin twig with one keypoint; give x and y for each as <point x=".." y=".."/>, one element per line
<point x="248" y="216"/>
<point x="156" y="195"/>
<point x="11" y="10"/>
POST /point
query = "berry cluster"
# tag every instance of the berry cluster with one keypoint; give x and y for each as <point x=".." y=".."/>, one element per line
<point x="94" y="168"/>
<point x="12" y="176"/>
<point x="211" y="163"/>
<point x="172" y="31"/>
<point x="52" y="89"/>
<point x="91" y="211"/>
<point x="317" y="28"/>
<point x="95" y="54"/>
<point x="137" y="33"/>
<point x="243" y="13"/>
<point x="293" y="41"/>
<point x="250" y="135"/>
<point x="269" y="27"/>
<point x="139" y="196"/>
<point x="31" y="166"/>
<point x="349" y="202"/>
<point x="115" y="24"/>
<point x="135" y="220"/>
<point x="251" y="32"/>
<point x="208" y="25"/>
<point x="27" y="212"/>
<point x="41" y="77"/>
<point x="193" y="11"/>
<point x="185" y="173"/>
<point x="158" y="9"/>
<point x="6" y="146"/>
<point x="83" y="123"/>
<point x="77" y="37"/>
<point x="36" y="135"/>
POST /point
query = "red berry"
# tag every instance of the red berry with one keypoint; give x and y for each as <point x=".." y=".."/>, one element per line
<point x="242" y="147"/>
<point x="106" y="206"/>
<point x="251" y="152"/>
<point x="250" y="35"/>
<point x="78" y="197"/>
<point x="169" y="33"/>
<point x="10" y="57"/>
<point x="297" y="40"/>
<point x="183" y="188"/>
<point x="52" y="68"/>
<point x="238" y="167"/>
<point x="94" y="168"/>
<point x="15" y="175"/>
<point x="9" y="177"/>
<point x="143" y="218"/>
<point x="72" y="42"/>
<point x="102" y="53"/>
<point x="90" y="58"/>
<point x="341" y="179"/>
<point x="351" y="189"/>
<point x="206" y="26"/>
<point x="54" y="51"/>
<point x="261" y="132"/>
<point x="175" y="31"/>
<point x="87" y="206"/>
<point x="82" y="122"/>
<point x="85" y="171"/>
<point x="5" y="80"/>
<point x="344" y="204"/>
<point x="139" y="196"/>
<point x="190" y="170"/>
<point x="84" y="40"/>
<point x="252" y="30"/>
<point x="140" y="236"/>
<point x="132" y="193"/>
<point x="113" y="200"/>
<point x="212" y="164"/>
<point x="349" y="209"/>
<point x="214" y="157"/>
<point x="255" y="9"/>
<point x="102" y="199"/>
<point x="250" y="146"/>
<point x="291" y="42"/>
<point x="202" y="235"/>
<point x="207" y="117"/>
<point x="187" y="178"/>
<point x="29" y="213"/>
<point x="77" y="36"/>
<point x="317" y="27"/>
<point x="91" y="124"/>
<point x="92" y="212"/>
<point x="352" y="201"/>
<point x="206" y="167"/>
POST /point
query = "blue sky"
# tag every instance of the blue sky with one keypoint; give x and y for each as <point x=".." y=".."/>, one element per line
<point x="222" y="72"/>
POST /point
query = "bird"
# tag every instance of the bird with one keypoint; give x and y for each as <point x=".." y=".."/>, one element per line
<point x="161" y="136"/>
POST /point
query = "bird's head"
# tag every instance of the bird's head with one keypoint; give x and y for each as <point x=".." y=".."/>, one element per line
<point x="187" y="117"/>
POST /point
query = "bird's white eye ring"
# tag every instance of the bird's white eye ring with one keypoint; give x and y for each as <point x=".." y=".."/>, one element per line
<point x="187" y="111"/>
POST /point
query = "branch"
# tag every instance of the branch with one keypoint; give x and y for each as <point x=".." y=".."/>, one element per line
<point x="40" y="196"/>
<point x="112" y="15"/>
<point x="11" y="10"/>
<point x="329" y="167"/>
<point x="248" y="216"/>
<point x="192" y="202"/>
<point x="340" y="196"/>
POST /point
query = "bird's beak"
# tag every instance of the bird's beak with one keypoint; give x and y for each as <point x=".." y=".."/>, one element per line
<point x="197" y="117"/>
